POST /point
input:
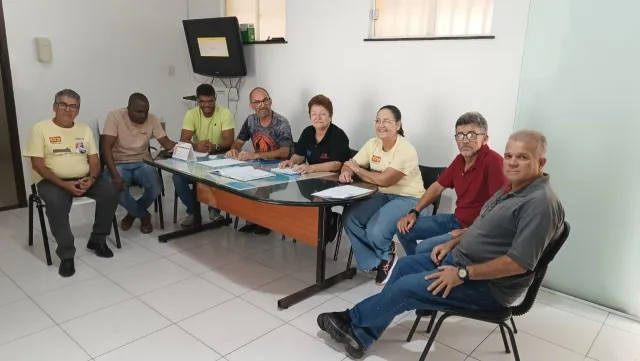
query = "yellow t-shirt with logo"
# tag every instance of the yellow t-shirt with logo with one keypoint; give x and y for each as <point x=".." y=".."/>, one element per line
<point x="402" y="157"/>
<point x="210" y="129"/>
<point x="64" y="150"/>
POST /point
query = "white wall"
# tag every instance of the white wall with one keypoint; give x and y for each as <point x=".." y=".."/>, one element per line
<point x="432" y="82"/>
<point x="105" y="50"/>
<point x="580" y="86"/>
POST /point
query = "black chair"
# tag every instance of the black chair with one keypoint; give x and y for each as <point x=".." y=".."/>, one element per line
<point x="352" y="154"/>
<point x="34" y="198"/>
<point x="502" y="316"/>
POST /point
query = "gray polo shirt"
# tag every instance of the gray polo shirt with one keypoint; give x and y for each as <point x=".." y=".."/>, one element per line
<point x="518" y="225"/>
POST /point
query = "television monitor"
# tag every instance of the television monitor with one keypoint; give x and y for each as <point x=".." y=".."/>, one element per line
<point x="215" y="47"/>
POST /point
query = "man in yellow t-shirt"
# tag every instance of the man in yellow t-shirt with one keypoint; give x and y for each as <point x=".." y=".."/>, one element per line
<point x="210" y="129"/>
<point x="65" y="162"/>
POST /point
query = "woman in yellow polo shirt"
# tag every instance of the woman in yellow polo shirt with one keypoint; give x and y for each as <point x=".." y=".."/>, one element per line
<point x="391" y="162"/>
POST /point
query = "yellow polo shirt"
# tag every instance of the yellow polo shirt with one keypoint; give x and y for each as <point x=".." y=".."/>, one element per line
<point x="64" y="150"/>
<point x="402" y="157"/>
<point x="210" y="129"/>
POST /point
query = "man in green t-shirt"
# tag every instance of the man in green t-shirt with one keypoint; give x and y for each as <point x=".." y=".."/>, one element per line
<point x="210" y="129"/>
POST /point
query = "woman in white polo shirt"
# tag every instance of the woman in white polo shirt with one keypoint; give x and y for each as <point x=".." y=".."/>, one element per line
<point x="390" y="162"/>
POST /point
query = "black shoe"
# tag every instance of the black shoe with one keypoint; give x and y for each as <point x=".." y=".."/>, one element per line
<point x="67" y="269"/>
<point x="261" y="231"/>
<point x="101" y="249"/>
<point x="248" y="228"/>
<point x="338" y="326"/>
<point x="385" y="268"/>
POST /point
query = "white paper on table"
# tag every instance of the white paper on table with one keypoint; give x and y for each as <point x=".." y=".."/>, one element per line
<point x="285" y="171"/>
<point x="243" y="174"/>
<point x="200" y="154"/>
<point x="342" y="192"/>
<point x="221" y="162"/>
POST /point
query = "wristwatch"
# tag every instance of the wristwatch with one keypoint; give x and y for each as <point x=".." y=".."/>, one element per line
<point x="463" y="273"/>
<point x="413" y="211"/>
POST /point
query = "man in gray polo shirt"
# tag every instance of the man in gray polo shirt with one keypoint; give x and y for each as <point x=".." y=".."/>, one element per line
<point x="484" y="269"/>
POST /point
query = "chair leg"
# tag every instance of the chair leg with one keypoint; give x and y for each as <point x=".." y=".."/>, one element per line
<point x="116" y="232"/>
<point x="515" y="330"/>
<point x="335" y="255"/>
<point x="161" y="182"/>
<point x="155" y="206"/>
<point x="45" y="238"/>
<point x="350" y="258"/>
<point x="161" y="212"/>
<point x="516" y="354"/>
<point x="433" y="319"/>
<point x="235" y="224"/>
<point x="413" y="328"/>
<point x="295" y="240"/>
<point x="283" y="237"/>
<point x="31" y="201"/>
<point x="504" y="340"/>
<point x="175" y="207"/>
<point x="432" y="337"/>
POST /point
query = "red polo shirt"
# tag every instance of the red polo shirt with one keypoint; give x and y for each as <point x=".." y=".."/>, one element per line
<point x="475" y="186"/>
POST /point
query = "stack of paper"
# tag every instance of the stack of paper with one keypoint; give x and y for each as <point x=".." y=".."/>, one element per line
<point x="243" y="174"/>
<point x="221" y="162"/>
<point x="285" y="171"/>
<point x="342" y="192"/>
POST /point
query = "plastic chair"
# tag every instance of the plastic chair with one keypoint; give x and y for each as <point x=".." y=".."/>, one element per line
<point x="499" y="317"/>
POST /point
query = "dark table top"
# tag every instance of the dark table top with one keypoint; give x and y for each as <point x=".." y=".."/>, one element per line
<point x="282" y="189"/>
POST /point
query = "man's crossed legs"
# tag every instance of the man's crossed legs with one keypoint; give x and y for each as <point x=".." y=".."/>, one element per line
<point x="406" y="290"/>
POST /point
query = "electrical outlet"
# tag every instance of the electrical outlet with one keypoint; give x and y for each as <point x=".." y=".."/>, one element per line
<point x="233" y="95"/>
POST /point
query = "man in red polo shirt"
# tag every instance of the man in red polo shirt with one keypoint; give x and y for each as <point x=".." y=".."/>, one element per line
<point x="475" y="175"/>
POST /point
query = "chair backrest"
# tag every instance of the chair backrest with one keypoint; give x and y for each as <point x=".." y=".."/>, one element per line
<point x="430" y="175"/>
<point x="540" y="271"/>
<point x="353" y="152"/>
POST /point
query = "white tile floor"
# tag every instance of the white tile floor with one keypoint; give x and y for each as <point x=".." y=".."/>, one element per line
<point x="213" y="296"/>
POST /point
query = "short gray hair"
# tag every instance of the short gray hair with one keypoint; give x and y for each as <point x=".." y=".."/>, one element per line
<point x="473" y="118"/>
<point x="67" y="93"/>
<point x="533" y="136"/>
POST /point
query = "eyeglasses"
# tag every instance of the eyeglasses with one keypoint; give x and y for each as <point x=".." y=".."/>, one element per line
<point x="265" y="101"/>
<point x="65" y="106"/>
<point x="323" y="114"/>
<point x="470" y="136"/>
<point x="385" y="122"/>
<point x="206" y="102"/>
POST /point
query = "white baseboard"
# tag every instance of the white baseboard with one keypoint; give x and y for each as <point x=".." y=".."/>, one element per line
<point x="621" y="314"/>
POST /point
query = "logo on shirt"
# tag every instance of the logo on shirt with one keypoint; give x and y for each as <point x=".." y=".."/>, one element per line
<point x="308" y="153"/>
<point x="262" y="142"/>
<point x="375" y="159"/>
<point x="324" y="156"/>
<point x="80" y="148"/>
<point x="55" y="140"/>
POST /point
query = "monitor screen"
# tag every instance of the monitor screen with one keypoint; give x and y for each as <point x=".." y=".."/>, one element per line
<point x="215" y="47"/>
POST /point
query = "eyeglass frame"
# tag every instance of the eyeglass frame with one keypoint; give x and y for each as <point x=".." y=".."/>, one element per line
<point x="467" y="136"/>
<point x="265" y="101"/>
<point x="64" y="106"/>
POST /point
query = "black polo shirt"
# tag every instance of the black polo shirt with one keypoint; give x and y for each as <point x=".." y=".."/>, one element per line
<point x="334" y="147"/>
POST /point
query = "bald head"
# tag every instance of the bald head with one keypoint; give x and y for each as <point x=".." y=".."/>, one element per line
<point x="532" y="138"/>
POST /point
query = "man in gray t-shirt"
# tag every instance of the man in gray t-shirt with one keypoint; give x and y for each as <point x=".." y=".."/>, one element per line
<point x="271" y="136"/>
<point x="485" y="269"/>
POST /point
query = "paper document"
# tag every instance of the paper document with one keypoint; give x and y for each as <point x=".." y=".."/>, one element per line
<point x="221" y="162"/>
<point x="285" y="171"/>
<point x="243" y="174"/>
<point x="201" y="154"/>
<point x="342" y="192"/>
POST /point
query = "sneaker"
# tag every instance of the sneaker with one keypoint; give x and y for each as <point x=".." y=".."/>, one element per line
<point x="338" y="326"/>
<point x="261" y="231"/>
<point x="248" y="228"/>
<point x="67" y="268"/>
<point x="189" y="221"/>
<point x="385" y="268"/>
<point x="215" y="215"/>
<point x="101" y="249"/>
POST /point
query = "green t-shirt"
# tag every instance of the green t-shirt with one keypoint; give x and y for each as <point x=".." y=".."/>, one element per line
<point x="210" y="129"/>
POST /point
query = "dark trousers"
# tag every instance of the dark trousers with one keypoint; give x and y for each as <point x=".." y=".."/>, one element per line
<point x="58" y="205"/>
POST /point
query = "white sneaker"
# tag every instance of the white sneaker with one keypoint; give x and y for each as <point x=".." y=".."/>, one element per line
<point x="188" y="222"/>
<point x="215" y="215"/>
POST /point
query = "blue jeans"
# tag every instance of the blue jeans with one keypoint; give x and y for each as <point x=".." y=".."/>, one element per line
<point x="371" y="225"/>
<point x="183" y="188"/>
<point x="406" y="290"/>
<point x="426" y="228"/>
<point x="142" y="175"/>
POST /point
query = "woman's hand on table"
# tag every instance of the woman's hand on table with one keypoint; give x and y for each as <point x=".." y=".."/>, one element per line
<point x="303" y="168"/>
<point x="233" y="153"/>
<point x="345" y="178"/>
<point x="355" y="167"/>
<point x="285" y="164"/>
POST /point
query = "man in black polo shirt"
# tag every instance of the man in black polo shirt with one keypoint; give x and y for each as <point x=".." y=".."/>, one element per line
<point x="322" y="145"/>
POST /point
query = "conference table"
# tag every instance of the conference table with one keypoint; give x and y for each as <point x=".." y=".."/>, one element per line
<point x="284" y="204"/>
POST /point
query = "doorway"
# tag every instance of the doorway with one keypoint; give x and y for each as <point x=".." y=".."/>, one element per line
<point x="12" y="188"/>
